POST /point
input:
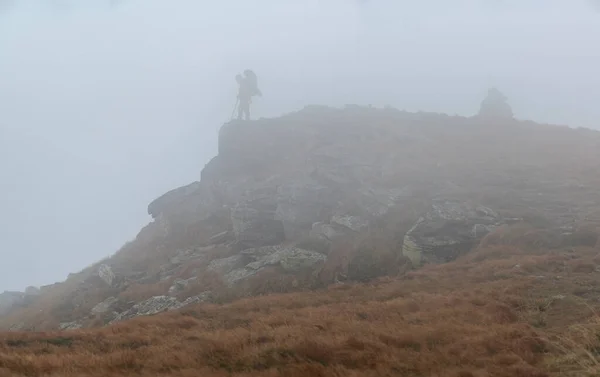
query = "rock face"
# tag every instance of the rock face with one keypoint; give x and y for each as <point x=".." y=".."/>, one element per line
<point x="253" y="219"/>
<point x="277" y="181"/>
<point x="299" y="204"/>
<point x="450" y="229"/>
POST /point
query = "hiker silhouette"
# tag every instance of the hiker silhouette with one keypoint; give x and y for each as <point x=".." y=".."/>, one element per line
<point x="248" y="88"/>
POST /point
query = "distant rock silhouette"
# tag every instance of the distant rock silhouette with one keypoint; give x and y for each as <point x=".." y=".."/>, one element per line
<point x="495" y="105"/>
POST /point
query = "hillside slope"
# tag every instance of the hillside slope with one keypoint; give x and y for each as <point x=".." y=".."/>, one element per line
<point x="335" y="195"/>
<point x="507" y="309"/>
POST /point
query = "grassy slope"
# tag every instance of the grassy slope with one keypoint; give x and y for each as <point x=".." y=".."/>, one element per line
<point x="508" y="309"/>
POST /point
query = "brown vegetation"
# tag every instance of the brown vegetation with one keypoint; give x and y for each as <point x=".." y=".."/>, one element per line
<point x="504" y="310"/>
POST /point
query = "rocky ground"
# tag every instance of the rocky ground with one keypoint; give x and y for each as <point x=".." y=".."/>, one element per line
<point x="336" y="196"/>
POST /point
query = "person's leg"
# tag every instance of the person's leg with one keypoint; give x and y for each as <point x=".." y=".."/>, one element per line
<point x="245" y="107"/>
<point x="240" y="110"/>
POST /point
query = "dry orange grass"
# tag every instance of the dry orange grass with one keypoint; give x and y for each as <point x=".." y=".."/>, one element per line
<point x="500" y="311"/>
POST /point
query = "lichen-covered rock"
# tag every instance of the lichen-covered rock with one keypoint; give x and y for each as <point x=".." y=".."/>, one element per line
<point x="223" y="266"/>
<point x="295" y="260"/>
<point x="289" y="259"/>
<point x="221" y="238"/>
<point x="354" y="223"/>
<point x="154" y="305"/>
<point x="159" y="304"/>
<point x="104" y="306"/>
<point x="447" y="231"/>
<point x="70" y="325"/>
<point x="106" y="273"/>
<point x="238" y="275"/>
<point x="179" y="285"/>
<point x="327" y="232"/>
<point x="202" y="297"/>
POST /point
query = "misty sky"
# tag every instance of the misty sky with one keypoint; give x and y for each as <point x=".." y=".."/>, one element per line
<point x="105" y="107"/>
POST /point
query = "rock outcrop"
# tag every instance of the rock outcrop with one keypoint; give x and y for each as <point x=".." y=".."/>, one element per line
<point x="106" y="273"/>
<point x="159" y="304"/>
<point x="104" y="306"/>
<point x="326" y="193"/>
<point x="495" y="106"/>
<point x="449" y="230"/>
<point x="290" y="259"/>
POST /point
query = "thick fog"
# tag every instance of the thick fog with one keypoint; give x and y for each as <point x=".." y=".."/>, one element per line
<point x="107" y="104"/>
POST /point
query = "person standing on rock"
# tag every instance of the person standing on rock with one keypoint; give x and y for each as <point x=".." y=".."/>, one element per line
<point x="248" y="87"/>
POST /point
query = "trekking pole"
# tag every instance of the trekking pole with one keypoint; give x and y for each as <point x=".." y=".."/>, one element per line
<point x="234" y="107"/>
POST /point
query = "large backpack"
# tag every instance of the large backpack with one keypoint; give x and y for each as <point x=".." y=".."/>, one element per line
<point x="252" y="82"/>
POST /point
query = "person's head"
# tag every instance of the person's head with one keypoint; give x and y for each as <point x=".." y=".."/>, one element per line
<point x="248" y="72"/>
<point x="239" y="78"/>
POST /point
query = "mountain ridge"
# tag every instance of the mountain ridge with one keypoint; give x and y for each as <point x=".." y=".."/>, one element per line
<point x="325" y="195"/>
